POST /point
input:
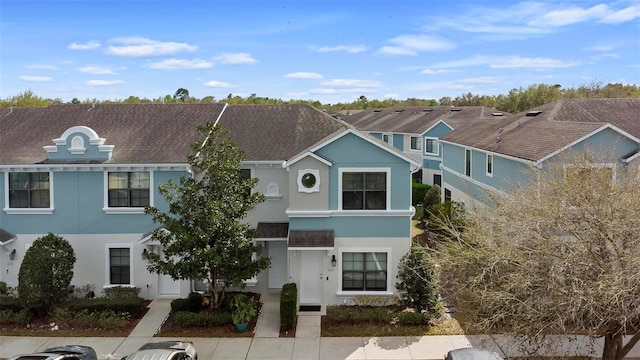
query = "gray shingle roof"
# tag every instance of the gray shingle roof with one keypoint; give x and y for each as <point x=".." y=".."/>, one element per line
<point x="558" y="124"/>
<point x="416" y="120"/>
<point x="163" y="133"/>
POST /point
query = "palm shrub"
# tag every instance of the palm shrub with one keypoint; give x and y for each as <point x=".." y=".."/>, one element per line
<point x="417" y="281"/>
<point x="45" y="273"/>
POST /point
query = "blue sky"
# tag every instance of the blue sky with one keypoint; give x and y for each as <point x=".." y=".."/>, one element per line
<point x="332" y="51"/>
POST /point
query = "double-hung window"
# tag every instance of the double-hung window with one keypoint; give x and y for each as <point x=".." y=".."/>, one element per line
<point x="129" y="189"/>
<point x="364" y="271"/>
<point x="388" y="138"/>
<point x="119" y="266"/>
<point x="31" y="190"/>
<point x="416" y="144"/>
<point x="431" y="146"/>
<point x="364" y="190"/>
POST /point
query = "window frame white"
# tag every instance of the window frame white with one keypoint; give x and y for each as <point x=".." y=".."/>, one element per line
<point x="436" y="144"/>
<point x="389" y="137"/>
<point x="28" y="211"/>
<point x="312" y="189"/>
<point x="390" y="275"/>
<point x="107" y="263"/>
<point x="386" y="170"/>
<point x="468" y="162"/>
<point x="418" y="143"/>
<point x="490" y="164"/>
<point x="127" y="210"/>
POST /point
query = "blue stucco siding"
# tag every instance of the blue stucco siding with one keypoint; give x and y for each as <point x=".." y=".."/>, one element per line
<point x="78" y="199"/>
<point x="357" y="226"/>
<point x="351" y="151"/>
<point x="431" y="164"/>
<point x="398" y="141"/>
<point x="376" y="135"/>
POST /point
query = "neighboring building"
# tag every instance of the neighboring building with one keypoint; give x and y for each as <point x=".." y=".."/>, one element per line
<point x="416" y="131"/>
<point x="336" y="220"/>
<point x="499" y="154"/>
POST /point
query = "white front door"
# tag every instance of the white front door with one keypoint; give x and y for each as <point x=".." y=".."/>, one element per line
<point x="311" y="277"/>
<point x="167" y="287"/>
<point x="278" y="270"/>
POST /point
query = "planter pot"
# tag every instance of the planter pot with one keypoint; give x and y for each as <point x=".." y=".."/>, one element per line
<point x="242" y="327"/>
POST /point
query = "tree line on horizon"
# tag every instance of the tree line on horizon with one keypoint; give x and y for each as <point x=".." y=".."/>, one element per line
<point x="517" y="100"/>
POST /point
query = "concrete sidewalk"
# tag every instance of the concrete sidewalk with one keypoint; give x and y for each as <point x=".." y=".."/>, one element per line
<point x="306" y="345"/>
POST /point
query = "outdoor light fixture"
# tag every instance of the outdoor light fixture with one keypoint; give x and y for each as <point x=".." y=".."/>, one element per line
<point x="333" y="260"/>
<point x="12" y="254"/>
<point x="145" y="252"/>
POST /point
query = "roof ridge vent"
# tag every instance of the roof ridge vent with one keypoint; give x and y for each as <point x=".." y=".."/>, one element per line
<point x="456" y="109"/>
<point x="398" y="110"/>
<point x="497" y="114"/>
<point x="377" y="110"/>
<point x="533" y="113"/>
<point x="427" y="110"/>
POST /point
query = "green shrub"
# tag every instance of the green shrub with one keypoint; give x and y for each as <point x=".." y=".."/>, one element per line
<point x="203" y="319"/>
<point x="410" y="318"/>
<point x="195" y="302"/>
<point x="350" y="314"/>
<point x="46" y="272"/>
<point x="288" y="304"/>
<point x="417" y="280"/>
<point x="7" y="317"/>
<point x="85" y="318"/>
<point x="127" y="305"/>
<point x="10" y="303"/>
<point x="3" y="288"/>
<point x="179" y="305"/>
<point x="109" y="320"/>
<point x="62" y="315"/>
<point x="121" y="292"/>
<point x="25" y="316"/>
<point x="418" y="190"/>
<point x="432" y="197"/>
<point x="382" y="314"/>
<point x="370" y="300"/>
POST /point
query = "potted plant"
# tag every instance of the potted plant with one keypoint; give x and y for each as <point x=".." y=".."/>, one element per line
<point x="242" y="310"/>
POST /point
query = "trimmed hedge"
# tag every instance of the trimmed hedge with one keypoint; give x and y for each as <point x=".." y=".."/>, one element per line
<point x="10" y="303"/>
<point x="128" y="305"/>
<point x="192" y="319"/>
<point x="193" y="303"/>
<point x="411" y="318"/>
<point x="121" y="292"/>
<point x="288" y="303"/>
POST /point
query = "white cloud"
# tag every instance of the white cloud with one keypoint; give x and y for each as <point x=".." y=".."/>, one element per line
<point x="352" y="83"/>
<point x="36" y="78"/>
<point x="476" y="60"/>
<point x="94" y="69"/>
<point x="303" y="75"/>
<point x="572" y="15"/>
<point x="218" y="84"/>
<point x="173" y="64"/>
<point x="412" y="44"/>
<point x="236" y="58"/>
<point x="600" y="48"/>
<point x="511" y="62"/>
<point x="352" y="49"/>
<point x="143" y="47"/>
<point x="627" y="14"/>
<point x="434" y="72"/>
<point x="89" y="45"/>
<point x="480" y="80"/>
<point x="391" y="96"/>
<point x="42" y="67"/>
<point x="331" y="91"/>
<point x="104" y="82"/>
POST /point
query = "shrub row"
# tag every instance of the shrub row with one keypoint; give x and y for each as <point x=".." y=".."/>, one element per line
<point x="10" y="303"/>
<point x="288" y="303"/>
<point x="127" y="305"/>
<point x="357" y="314"/>
<point x="121" y="292"/>
<point x="193" y="303"/>
<point x="22" y="317"/>
<point x="193" y="319"/>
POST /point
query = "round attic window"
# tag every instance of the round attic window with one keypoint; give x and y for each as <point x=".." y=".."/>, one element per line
<point x="308" y="180"/>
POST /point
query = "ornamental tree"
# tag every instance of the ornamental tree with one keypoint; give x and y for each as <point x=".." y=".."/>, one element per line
<point x="560" y="255"/>
<point x="46" y="272"/>
<point x="417" y="280"/>
<point x="203" y="236"/>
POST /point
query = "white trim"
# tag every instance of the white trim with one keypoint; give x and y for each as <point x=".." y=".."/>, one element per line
<point x="311" y="248"/>
<point x="464" y="177"/>
<point x="606" y="126"/>
<point x="313" y="189"/>
<point x="303" y="155"/>
<point x="126" y="209"/>
<point x="107" y="263"/>
<point x="367" y="138"/>
<point x="418" y="142"/>
<point x="269" y="163"/>
<point x="436" y="124"/>
<point x="330" y="213"/>
<point x="28" y="211"/>
<point x="5" y="243"/>
<point x="505" y="156"/>
<point x="390" y="281"/>
<point x="389" y="136"/>
<point x="437" y="146"/>
<point x="96" y="167"/>
<point x="493" y="164"/>
<point x="468" y="159"/>
<point x="386" y="170"/>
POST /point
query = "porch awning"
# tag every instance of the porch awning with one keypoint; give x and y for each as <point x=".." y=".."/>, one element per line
<point x="273" y="230"/>
<point x="6" y="238"/>
<point x="311" y="240"/>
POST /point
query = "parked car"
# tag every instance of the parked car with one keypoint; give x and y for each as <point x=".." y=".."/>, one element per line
<point x="472" y="354"/>
<point x="165" y="350"/>
<point x="66" y="352"/>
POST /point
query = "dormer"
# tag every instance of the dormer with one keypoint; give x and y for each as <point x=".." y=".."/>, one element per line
<point x="79" y="144"/>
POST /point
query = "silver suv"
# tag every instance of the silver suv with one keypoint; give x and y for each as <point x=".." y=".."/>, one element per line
<point x="165" y="350"/>
<point x="66" y="352"/>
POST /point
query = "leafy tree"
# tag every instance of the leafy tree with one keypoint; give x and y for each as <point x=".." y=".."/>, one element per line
<point x="432" y="197"/>
<point x="45" y="272"/>
<point x="446" y="220"/>
<point x="559" y="255"/>
<point x="202" y="235"/>
<point x="417" y="280"/>
<point x="181" y="94"/>
<point x="519" y="100"/>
